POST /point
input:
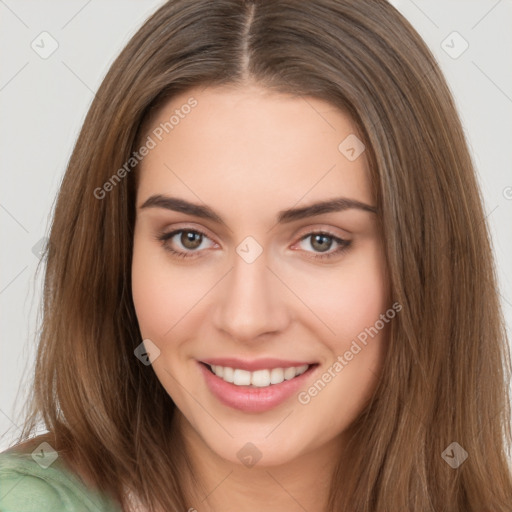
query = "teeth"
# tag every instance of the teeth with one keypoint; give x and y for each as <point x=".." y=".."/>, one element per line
<point x="241" y="378"/>
<point x="289" y="373"/>
<point x="218" y="370"/>
<point x="276" y="375"/>
<point x="258" y="378"/>
<point x="226" y="373"/>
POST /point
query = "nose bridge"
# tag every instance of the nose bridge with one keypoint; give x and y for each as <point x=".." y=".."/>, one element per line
<point x="250" y="302"/>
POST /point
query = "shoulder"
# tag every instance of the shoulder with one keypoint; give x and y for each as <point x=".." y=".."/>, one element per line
<point x="23" y="490"/>
<point x="36" y="479"/>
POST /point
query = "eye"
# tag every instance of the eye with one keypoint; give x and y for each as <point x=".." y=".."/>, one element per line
<point x="322" y="242"/>
<point x="190" y="240"/>
<point x="188" y="243"/>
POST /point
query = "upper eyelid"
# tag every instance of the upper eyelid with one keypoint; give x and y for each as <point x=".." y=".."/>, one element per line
<point x="178" y="229"/>
<point x="304" y="231"/>
<point x="173" y="232"/>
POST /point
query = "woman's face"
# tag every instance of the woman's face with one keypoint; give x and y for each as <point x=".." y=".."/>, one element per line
<point x="268" y="313"/>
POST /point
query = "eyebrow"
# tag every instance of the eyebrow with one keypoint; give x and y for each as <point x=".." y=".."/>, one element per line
<point x="284" y="216"/>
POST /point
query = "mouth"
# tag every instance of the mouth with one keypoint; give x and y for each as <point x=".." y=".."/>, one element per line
<point x="257" y="390"/>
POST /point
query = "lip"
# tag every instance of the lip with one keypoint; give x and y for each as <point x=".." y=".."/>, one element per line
<point x="257" y="364"/>
<point x="253" y="399"/>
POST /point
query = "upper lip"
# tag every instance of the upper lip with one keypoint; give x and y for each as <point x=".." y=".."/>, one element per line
<point x="253" y="365"/>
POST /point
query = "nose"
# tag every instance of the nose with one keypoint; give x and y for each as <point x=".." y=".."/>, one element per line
<point x="250" y="301"/>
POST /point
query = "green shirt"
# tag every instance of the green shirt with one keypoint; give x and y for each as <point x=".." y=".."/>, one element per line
<point x="27" y="486"/>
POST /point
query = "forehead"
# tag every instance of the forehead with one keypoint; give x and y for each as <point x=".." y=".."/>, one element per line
<point x="251" y="147"/>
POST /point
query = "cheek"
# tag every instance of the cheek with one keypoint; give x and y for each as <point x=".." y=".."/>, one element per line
<point x="147" y="291"/>
<point x="351" y="297"/>
<point x="162" y="293"/>
<point x="353" y="303"/>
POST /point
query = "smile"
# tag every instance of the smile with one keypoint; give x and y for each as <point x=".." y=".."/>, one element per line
<point x="257" y="386"/>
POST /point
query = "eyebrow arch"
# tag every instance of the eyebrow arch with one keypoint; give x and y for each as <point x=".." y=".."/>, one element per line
<point x="284" y="216"/>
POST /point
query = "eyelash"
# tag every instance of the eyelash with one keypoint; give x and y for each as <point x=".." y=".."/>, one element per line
<point x="164" y="237"/>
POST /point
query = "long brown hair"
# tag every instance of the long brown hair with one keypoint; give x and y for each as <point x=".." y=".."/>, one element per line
<point x="446" y="372"/>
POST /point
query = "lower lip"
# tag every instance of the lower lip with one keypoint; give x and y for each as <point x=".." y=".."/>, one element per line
<point x="253" y="399"/>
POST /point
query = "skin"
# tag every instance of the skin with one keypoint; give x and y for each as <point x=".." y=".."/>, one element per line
<point x="249" y="153"/>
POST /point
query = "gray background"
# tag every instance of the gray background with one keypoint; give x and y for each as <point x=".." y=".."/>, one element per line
<point x="43" y="102"/>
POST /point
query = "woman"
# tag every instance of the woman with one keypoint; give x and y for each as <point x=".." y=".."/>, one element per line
<point x="269" y="279"/>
